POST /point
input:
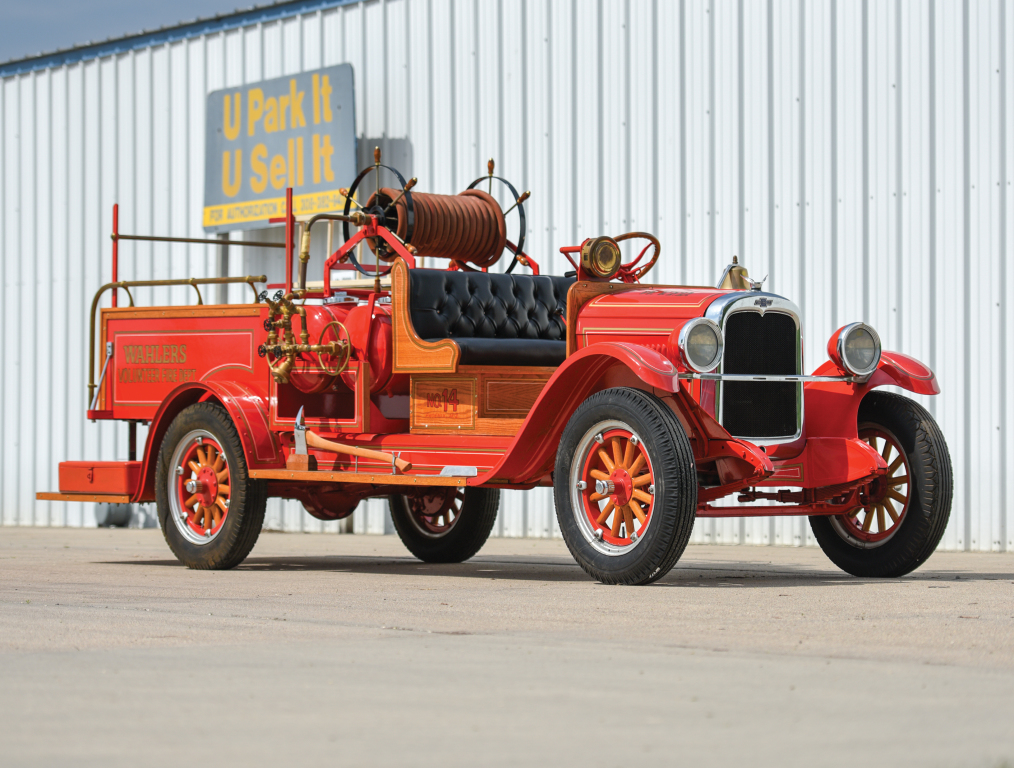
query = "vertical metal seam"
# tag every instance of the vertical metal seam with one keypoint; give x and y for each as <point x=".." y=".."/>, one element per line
<point x="1002" y="254"/>
<point x="712" y="183"/>
<point x="934" y="192"/>
<point x="50" y="506"/>
<point x="627" y="119"/>
<point x="802" y="158"/>
<point x="452" y="51"/>
<point x="550" y="207"/>
<point x="600" y="147"/>
<point x="573" y="119"/>
<point x="802" y="523"/>
<point x="683" y="140"/>
<point x="966" y="283"/>
<point x="477" y="89"/>
<point x="772" y="272"/>
<point x="429" y="84"/>
<point x="865" y="170"/>
<point x="656" y="224"/>
<point x="501" y="96"/>
<point x="899" y="208"/>
<point x="741" y="130"/>
<point x="835" y="202"/>
<point x="525" y="96"/>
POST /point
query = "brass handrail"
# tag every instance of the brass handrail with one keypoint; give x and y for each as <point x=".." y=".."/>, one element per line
<point x="128" y="284"/>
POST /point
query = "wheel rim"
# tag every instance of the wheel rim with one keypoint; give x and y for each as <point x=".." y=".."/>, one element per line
<point x="435" y="514"/>
<point x="199" y="511"/>
<point x="612" y="485"/>
<point x="874" y="525"/>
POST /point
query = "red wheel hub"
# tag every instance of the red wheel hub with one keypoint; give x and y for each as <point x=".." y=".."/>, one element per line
<point x="436" y="513"/>
<point x="203" y="486"/>
<point x="619" y="487"/>
<point x="889" y="496"/>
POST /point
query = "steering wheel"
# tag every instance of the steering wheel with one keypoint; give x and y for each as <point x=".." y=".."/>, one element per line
<point x="630" y="272"/>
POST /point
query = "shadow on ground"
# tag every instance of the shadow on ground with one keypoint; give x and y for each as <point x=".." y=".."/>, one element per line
<point x="689" y="573"/>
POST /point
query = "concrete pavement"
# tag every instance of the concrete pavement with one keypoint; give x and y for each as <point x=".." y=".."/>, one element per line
<point x="342" y="650"/>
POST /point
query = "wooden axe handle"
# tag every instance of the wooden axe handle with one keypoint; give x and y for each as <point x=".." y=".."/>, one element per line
<point x="316" y="441"/>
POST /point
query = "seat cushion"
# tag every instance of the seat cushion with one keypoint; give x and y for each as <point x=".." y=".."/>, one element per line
<point x="511" y="351"/>
<point x="496" y="319"/>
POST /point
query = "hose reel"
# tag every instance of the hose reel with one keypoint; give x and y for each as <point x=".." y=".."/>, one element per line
<point x="470" y="228"/>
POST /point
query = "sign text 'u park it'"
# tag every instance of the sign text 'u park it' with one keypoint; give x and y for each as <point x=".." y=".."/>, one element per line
<point x="296" y="131"/>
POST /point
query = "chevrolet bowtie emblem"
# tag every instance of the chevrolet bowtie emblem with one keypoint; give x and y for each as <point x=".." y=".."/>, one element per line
<point x="764" y="303"/>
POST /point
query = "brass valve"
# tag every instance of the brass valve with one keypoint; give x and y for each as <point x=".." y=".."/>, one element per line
<point x="284" y="353"/>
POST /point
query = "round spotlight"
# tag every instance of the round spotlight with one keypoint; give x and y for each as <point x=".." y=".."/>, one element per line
<point x="600" y="257"/>
<point x="701" y="345"/>
<point x="856" y="349"/>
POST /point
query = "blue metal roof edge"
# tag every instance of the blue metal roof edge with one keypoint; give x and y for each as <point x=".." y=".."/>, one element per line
<point x="166" y="35"/>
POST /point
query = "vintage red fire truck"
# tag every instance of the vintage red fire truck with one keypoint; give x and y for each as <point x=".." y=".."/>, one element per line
<point x="644" y="406"/>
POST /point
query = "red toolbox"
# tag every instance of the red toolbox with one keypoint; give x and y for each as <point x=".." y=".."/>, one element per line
<point x="109" y="477"/>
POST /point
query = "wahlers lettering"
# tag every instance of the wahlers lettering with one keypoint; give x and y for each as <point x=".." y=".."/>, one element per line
<point x="134" y="354"/>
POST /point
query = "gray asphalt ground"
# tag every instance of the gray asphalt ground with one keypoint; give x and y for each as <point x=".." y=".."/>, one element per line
<point x="344" y="651"/>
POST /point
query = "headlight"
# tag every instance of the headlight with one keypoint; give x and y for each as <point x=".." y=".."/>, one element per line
<point x="858" y="349"/>
<point x="600" y="257"/>
<point x="701" y="344"/>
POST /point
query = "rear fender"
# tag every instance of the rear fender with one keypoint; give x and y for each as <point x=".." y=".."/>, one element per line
<point x="832" y="407"/>
<point x="247" y="409"/>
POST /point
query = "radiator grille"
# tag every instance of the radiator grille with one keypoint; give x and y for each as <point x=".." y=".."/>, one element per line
<point x="758" y="344"/>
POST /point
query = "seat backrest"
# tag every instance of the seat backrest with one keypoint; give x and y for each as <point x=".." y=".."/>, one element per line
<point x="448" y="304"/>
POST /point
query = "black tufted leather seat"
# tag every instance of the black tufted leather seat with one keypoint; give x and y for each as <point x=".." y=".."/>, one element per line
<point x="495" y="319"/>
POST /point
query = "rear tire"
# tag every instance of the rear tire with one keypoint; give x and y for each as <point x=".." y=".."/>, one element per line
<point x="445" y="525"/>
<point x="635" y="529"/>
<point x="217" y="530"/>
<point x="900" y="547"/>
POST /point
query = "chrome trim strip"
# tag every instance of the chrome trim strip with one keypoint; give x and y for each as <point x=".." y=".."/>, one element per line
<point x="747" y="377"/>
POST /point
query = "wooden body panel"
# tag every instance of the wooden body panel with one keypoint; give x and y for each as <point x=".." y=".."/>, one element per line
<point x="481" y="400"/>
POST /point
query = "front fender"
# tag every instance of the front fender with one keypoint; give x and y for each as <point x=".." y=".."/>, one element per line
<point x="247" y="409"/>
<point x="832" y="407"/>
<point x="532" y="453"/>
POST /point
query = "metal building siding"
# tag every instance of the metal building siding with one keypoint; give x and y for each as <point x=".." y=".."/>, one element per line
<point x="857" y="153"/>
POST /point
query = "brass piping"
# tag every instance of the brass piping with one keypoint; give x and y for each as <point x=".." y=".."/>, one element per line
<point x="128" y="284"/>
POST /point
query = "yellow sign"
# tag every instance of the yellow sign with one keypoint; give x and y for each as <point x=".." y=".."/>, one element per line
<point x="296" y="131"/>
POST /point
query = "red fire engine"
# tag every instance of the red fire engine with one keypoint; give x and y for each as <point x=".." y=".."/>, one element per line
<point x="642" y="405"/>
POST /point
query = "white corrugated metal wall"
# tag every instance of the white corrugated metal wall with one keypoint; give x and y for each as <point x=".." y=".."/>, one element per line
<point x="855" y="152"/>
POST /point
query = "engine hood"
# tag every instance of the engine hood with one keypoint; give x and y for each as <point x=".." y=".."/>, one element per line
<point x="644" y="314"/>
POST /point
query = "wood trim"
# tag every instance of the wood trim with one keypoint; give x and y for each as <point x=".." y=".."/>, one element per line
<point x="356" y="477"/>
<point x="456" y="418"/>
<point x="203" y="310"/>
<point x="411" y="353"/>
<point x="110" y="498"/>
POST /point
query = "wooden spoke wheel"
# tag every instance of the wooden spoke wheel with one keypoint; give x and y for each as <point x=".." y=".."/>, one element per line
<point x="202" y="491"/>
<point x="905" y="512"/>
<point x="445" y="525"/>
<point x="436" y="513"/>
<point x="873" y="525"/>
<point x="616" y="488"/>
<point x="626" y="486"/>
<point x="209" y="509"/>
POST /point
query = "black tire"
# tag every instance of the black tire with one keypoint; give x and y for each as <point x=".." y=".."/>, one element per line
<point x="673" y="509"/>
<point x="474" y="513"/>
<point x="921" y="527"/>
<point x="237" y="533"/>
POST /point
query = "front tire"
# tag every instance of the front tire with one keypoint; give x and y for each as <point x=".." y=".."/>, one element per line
<point x="445" y="525"/>
<point x="210" y="511"/>
<point x="910" y="506"/>
<point x="625" y="486"/>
